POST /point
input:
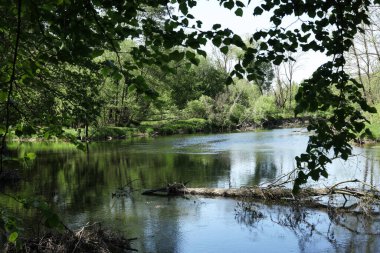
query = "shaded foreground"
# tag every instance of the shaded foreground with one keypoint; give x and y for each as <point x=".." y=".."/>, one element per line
<point x="88" y="239"/>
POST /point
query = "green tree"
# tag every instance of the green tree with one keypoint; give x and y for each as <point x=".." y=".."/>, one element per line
<point x="38" y="34"/>
<point x="191" y="82"/>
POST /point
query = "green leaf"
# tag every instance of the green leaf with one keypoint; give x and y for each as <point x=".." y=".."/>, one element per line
<point x="229" y="5"/>
<point x="224" y="50"/>
<point x="194" y="61"/>
<point x="31" y="156"/>
<point x="324" y="174"/>
<point x="239" y="12"/>
<point x="132" y="88"/>
<point x="190" y="55"/>
<point x="3" y="96"/>
<point x="105" y="71"/>
<point x="263" y="46"/>
<point x="202" y="52"/>
<point x="217" y="41"/>
<point x="278" y="60"/>
<point x="117" y="76"/>
<point x="276" y="21"/>
<point x="176" y="55"/>
<point x="13" y="237"/>
<point x="97" y="52"/>
<point x="258" y="11"/>
<point x="183" y="8"/>
<point x="229" y="80"/>
<point x="314" y="174"/>
<point x="185" y="22"/>
<point x="240" y="4"/>
<point x="216" y="26"/>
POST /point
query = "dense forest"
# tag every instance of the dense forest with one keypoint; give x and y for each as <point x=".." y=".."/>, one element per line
<point x="81" y="70"/>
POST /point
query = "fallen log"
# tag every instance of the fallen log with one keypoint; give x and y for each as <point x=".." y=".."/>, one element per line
<point x="266" y="193"/>
<point x="275" y="193"/>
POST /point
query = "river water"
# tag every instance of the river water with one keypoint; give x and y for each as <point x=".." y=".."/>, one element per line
<point x="81" y="187"/>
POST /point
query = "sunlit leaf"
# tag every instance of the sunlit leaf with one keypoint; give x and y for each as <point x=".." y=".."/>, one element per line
<point x="12" y="238"/>
<point x="31" y="156"/>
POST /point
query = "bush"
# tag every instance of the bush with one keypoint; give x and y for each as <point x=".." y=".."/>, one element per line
<point x="104" y="133"/>
<point x="264" y="108"/>
<point x="237" y="114"/>
<point x="194" y="125"/>
<point x="200" y="108"/>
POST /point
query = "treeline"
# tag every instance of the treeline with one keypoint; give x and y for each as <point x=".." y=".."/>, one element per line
<point x="177" y="89"/>
<point x="192" y="96"/>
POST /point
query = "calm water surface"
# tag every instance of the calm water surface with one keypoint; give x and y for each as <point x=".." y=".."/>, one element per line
<point x="81" y="186"/>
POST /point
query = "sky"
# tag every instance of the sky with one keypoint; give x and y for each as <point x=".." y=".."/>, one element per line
<point x="209" y="12"/>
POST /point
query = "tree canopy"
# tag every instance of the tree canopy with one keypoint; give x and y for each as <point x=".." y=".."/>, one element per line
<point x="48" y="44"/>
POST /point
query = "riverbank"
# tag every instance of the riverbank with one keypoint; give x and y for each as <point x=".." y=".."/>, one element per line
<point x="188" y="126"/>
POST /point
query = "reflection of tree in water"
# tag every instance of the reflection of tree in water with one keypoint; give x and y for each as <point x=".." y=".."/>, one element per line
<point x="164" y="230"/>
<point x="343" y="232"/>
<point x="298" y="221"/>
<point x="372" y="161"/>
<point x="248" y="213"/>
<point x="265" y="168"/>
<point x="201" y="170"/>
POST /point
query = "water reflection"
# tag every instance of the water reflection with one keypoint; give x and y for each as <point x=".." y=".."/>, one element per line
<point x="81" y="187"/>
<point x="315" y="231"/>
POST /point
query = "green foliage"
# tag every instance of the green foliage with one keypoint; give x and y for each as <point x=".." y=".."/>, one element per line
<point x="9" y="228"/>
<point x="188" y="126"/>
<point x="199" y="108"/>
<point x="50" y="217"/>
<point x="264" y="109"/>
<point x="373" y="126"/>
<point x="104" y="133"/>
<point x="51" y="76"/>
<point x="191" y="83"/>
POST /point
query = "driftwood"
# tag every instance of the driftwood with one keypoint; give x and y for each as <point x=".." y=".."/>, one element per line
<point x="365" y="197"/>
<point x="261" y="193"/>
<point x="170" y="189"/>
<point x="271" y="192"/>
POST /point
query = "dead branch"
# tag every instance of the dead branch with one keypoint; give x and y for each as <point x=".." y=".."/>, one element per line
<point x="276" y="192"/>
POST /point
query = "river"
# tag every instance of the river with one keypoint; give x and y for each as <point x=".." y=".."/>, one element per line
<point x="81" y="186"/>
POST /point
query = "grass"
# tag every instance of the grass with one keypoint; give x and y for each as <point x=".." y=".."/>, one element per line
<point x="375" y="130"/>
